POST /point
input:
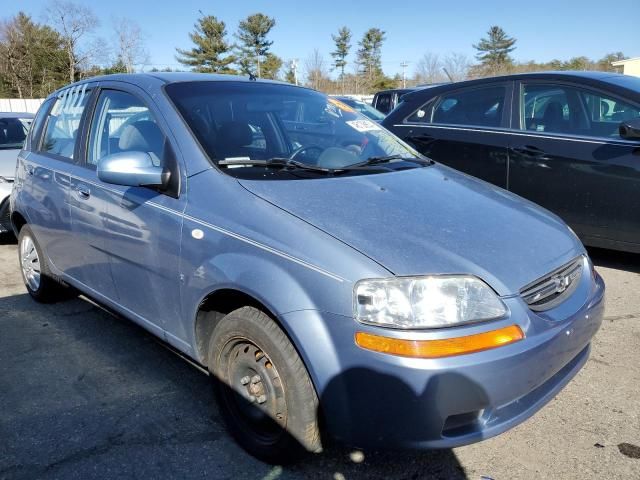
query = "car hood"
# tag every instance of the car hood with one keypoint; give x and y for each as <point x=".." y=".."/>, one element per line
<point x="431" y="220"/>
<point x="8" y="160"/>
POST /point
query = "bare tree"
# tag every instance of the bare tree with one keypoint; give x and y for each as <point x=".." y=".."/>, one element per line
<point x="74" y="23"/>
<point x="130" y="44"/>
<point x="316" y="69"/>
<point x="429" y="69"/>
<point x="457" y="66"/>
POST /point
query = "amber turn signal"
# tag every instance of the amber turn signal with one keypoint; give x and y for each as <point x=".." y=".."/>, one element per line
<point x="446" y="347"/>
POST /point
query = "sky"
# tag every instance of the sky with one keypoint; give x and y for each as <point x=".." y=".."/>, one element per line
<point x="544" y="29"/>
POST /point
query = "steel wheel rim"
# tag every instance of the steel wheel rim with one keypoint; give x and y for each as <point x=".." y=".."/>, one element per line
<point x="265" y="418"/>
<point x="30" y="263"/>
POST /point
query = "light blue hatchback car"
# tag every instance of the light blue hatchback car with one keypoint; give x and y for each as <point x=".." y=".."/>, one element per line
<point x="329" y="278"/>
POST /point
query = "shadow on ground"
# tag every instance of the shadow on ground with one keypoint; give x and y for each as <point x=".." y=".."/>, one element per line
<point x="89" y="395"/>
<point x="629" y="262"/>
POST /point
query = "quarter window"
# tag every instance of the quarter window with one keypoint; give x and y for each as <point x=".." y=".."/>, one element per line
<point x="63" y="122"/>
<point x="123" y="123"/>
<point x="572" y="110"/>
<point x="478" y="107"/>
<point x="383" y="103"/>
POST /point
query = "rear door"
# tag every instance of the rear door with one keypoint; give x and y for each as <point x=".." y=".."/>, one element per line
<point x="567" y="156"/>
<point x="47" y="177"/>
<point x="465" y="129"/>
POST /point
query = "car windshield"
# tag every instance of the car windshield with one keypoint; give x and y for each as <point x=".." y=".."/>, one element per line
<point x="13" y="132"/>
<point x="363" y="108"/>
<point x="240" y="124"/>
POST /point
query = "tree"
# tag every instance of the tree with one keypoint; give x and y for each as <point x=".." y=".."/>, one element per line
<point x="604" y="63"/>
<point x="369" y="55"/>
<point x="74" y="23"/>
<point x="254" y="46"/>
<point x="32" y="58"/>
<point x="429" y="69"/>
<point x="457" y="66"/>
<point x="271" y="66"/>
<point x="290" y="75"/>
<point x="493" y="52"/>
<point x="316" y="69"/>
<point x="211" y="51"/>
<point x="343" y="45"/>
<point x="130" y="49"/>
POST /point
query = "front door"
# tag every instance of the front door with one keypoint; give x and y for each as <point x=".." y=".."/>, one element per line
<point x="569" y="158"/>
<point x="465" y="129"/>
<point x="142" y="225"/>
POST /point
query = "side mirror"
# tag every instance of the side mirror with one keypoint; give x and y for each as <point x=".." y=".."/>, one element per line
<point x="132" y="169"/>
<point x="630" y="129"/>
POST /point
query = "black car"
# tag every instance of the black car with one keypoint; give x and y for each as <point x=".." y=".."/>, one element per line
<point x="386" y="100"/>
<point x="569" y="141"/>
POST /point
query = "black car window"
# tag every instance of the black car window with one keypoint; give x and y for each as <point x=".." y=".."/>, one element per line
<point x="478" y="107"/>
<point x="572" y="110"/>
<point x="13" y="132"/>
<point x="63" y="121"/>
<point x="383" y="102"/>
<point x="123" y="123"/>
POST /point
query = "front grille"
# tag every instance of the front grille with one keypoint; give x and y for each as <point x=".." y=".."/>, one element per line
<point x="552" y="289"/>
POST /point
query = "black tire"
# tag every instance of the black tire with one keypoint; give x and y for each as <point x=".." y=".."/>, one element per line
<point x="47" y="289"/>
<point x="276" y="418"/>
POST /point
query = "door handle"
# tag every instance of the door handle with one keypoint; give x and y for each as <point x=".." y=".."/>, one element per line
<point x="83" y="191"/>
<point x="530" y="151"/>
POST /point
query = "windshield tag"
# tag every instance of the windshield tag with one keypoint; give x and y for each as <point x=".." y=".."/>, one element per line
<point x="363" y="125"/>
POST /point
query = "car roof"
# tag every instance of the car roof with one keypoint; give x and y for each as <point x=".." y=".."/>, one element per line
<point x="399" y="90"/>
<point x="16" y="115"/>
<point x="616" y="80"/>
<point x="142" y="79"/>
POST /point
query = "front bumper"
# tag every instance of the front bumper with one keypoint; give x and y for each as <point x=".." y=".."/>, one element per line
<point x="374" y="400"/>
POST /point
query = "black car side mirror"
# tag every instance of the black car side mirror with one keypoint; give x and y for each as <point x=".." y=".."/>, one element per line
<point x="630" y="129"/>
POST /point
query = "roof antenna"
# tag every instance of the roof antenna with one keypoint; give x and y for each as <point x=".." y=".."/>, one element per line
<point x="450" y="77"/>
<point x="252" y="77"/>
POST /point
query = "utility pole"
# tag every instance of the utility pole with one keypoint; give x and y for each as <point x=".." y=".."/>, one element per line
<point x="294" y="67"/>
<point x="404" y="66"/>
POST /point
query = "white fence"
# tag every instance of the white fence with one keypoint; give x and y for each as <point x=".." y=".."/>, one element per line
<point x="29" y="105"/>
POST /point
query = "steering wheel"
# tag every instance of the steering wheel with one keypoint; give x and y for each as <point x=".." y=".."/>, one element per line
<point x="304" y="148"/>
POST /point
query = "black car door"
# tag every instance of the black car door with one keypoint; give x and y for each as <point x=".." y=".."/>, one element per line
<point x="464" y="129"/>
<point x="567" y="156"/>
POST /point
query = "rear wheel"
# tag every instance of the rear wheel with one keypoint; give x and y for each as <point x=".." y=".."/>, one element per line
<point x="36" y="275"/>
<point x="263" y="389"/>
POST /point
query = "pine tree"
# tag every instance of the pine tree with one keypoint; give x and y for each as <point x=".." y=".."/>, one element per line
<point x="254" y="46"/>
<point x="343" y="45"/>
<point x="370" y="54"/>
<point x="290" y="75"/>
<point x="211" y="51"/>
<point x="494" y="51"/>
<point x="271" y="66"/>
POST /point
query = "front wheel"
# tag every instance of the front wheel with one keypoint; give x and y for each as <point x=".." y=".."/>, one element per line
<point x="37" y="278"/>
<point x="263" y="389"/>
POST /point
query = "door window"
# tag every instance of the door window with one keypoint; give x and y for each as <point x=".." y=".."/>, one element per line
<point x="478" y="107"/>
<point x="63" y="122"/>
<point x="572" y="110"/>
<point x="123" y="123"/>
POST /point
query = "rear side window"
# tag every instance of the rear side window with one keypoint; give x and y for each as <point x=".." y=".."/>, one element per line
<point x="13" y="132"/>
<point x="572" y="110"/>
<point x="478" y="107"/>
<point x="123" y="123"/>
<point x="383" y="102"/>
<point x="36" y="126"/>
<point x="63" y="122"/>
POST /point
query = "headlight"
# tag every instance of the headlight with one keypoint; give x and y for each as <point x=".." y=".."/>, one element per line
<point x="426" y="302"/>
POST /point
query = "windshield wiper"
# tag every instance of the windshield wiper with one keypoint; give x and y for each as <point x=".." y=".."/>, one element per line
<point x="281" y="162"/>
<point x="388" y="158"/>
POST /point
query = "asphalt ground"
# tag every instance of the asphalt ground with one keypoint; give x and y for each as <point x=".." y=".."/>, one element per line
<point x="84" y="394"/>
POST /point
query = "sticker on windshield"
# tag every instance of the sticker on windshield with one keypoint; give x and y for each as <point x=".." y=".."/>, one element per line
<point x="363" y="125"/>
<point x="342" y="106"/>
